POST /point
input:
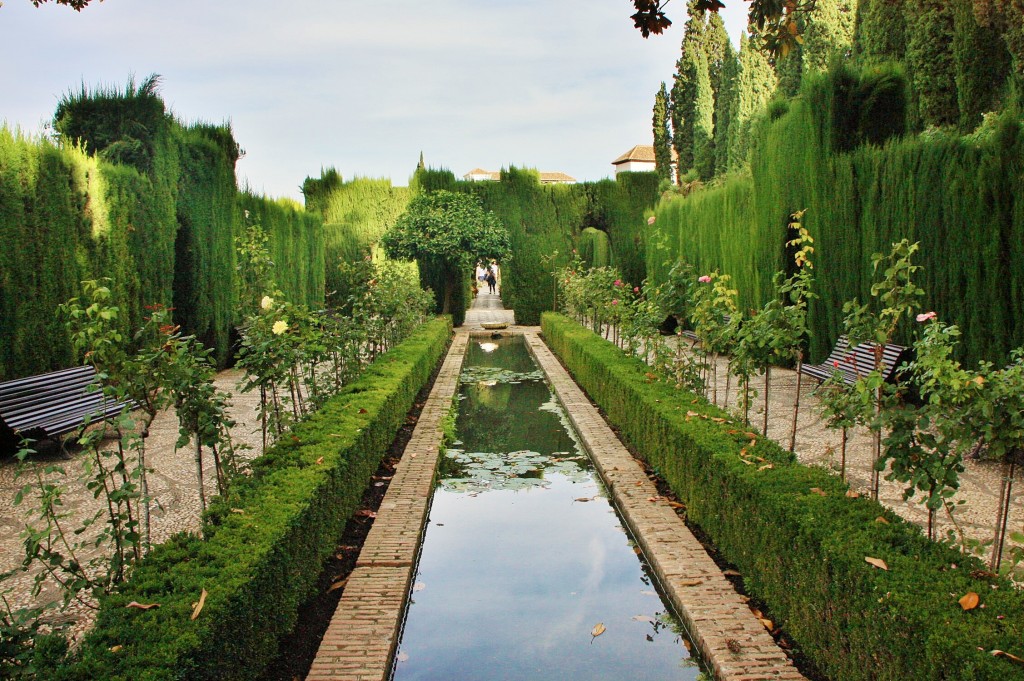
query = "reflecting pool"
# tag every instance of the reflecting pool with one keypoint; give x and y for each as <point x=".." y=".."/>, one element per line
<point x="524" y="556"/>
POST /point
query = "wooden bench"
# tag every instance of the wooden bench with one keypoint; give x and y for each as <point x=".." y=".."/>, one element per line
<point x="691" y="335"/>
<point x="859" y="361"/>
<point x="52" y="404"/>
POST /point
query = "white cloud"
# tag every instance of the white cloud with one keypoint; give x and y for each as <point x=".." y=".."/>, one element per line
<point x="556" y="84"/>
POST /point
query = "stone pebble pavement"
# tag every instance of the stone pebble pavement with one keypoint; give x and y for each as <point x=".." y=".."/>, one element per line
<point x="363" y="634"/>
<point x="172" y="484"/>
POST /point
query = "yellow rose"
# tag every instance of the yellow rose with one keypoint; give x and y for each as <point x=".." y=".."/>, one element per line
<point x="267" y="302"/>
<point x="280" y="327"/>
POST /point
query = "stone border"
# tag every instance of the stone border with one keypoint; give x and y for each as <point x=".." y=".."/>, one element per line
<point x="731" y="640"/>
<point x="361" y="639"/>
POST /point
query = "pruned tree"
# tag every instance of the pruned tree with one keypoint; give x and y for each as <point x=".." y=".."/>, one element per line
<point x="446" y="232"/>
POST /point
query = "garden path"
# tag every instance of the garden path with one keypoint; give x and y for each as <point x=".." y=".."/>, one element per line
<point x="172" y="483"/>
<point x="817" y="445"/>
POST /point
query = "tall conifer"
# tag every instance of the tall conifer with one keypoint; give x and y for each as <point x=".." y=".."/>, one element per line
<point x="684" y="88"/>
<point x="725" y="103"/>
<point x="662" y="135"/>
<point x="930" y="61"/>
<point x="755" y="84"/>
<point x="703" y="120"/>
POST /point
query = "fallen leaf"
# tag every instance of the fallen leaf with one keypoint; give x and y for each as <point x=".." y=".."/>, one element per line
<point x="584" y="498"/>
<point x="969" y="601"/>
<point x="766" y="467"/>
<point x="199" y="606"/>
<point x="337" y="585"/>
<point x="366" y="513"/>
<point x="881" y="519"/>
<point x="731" y="573"/>
<point x="238" y="510"/>
<point x="642" y="618"/>
<point x="598" y="629"/>
<point x="1002" y="653"/>
<point x="690" y="582"/>
<point x="142" y="606"/>
<point x="654" y="498"/>
<point x="768" y="624"/>
<point x="877" y="562"/>
<point x="320" y="460"/>
<point x="117" y="649"/>
<point x="676" y="504"/>
<point x="852" y="495"/>
<point x="718" y="419"/>
<point x="820" y="492"/>
<point x="362" y="411"/>
<point x="752" y="443"/>
<point x="691" y="414"/>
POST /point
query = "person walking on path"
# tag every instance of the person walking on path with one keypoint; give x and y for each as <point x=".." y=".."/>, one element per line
<point x="491" y="280"/>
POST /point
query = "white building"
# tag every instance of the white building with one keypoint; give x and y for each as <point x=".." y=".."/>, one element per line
<point x="481" y="175"/>
<point x="640" y="159"/>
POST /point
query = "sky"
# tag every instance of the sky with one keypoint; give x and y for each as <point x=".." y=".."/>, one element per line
<point x="360" y="85"/>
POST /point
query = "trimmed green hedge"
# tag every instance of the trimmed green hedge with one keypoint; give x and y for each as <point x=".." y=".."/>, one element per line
<point x="265" y="546"/>
<point x="800" y="552"/>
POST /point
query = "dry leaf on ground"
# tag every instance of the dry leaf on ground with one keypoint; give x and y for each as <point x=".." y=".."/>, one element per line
<point x="142" y="606"/>
<point x="969" y="601"/>
<point x="877" y="562"/>
<point x="598" y="629"/>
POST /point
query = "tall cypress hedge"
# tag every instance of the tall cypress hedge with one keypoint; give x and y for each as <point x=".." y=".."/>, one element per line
<point x="296" y="246"/>
<point x="960" y="197"/>
<point x="131" y="194"/>
<point x="355" y="215"/>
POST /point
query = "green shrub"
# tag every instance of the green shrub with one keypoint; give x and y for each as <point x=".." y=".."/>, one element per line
<point x="264" y="547"/>
<point x="800" y="543"/>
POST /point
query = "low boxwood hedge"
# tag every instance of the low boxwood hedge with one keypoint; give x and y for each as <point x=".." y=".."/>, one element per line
<point x="800" y="543"/>
<point x="265" y="546"/>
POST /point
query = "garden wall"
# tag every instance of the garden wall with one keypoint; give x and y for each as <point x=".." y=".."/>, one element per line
<point x="836" y="151"/>
<point x="265" y="545"/>
<point x="156" y="211"/>
<point x="545" y="223"/>
<point x="800" y="543"/>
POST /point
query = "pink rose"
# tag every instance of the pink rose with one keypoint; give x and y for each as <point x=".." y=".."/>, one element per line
<point x="618" y="282"/>
<point x="705" y="279"/>
<point x="636" y="289"/>
<point x="615" y="302"/>
<point x="650" y="220"/>
<point x="835" y="363"/>
<point x="925" y="316"/>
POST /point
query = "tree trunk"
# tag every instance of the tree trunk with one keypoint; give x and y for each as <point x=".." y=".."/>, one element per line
<point x="796" y="402"/>
<point x="1003" y="513"/>
<point x="767" y="387"/>
<point x="199" y="473"/>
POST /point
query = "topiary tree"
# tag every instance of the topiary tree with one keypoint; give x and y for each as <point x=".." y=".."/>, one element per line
<point x="446" y="232"/>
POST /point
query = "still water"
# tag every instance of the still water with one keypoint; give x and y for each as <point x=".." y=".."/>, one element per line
<point x="524" y="555"/>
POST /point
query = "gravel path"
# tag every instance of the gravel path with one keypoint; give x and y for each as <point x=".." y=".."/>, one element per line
<point x="172" y="484"/>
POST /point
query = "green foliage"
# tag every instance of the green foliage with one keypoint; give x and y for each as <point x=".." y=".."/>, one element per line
<point x="982" y="65"/>
<point x="703" y="120"/>
<point x="828" y="33"/>
<point x="930" y="61"/>
<point x="755" y="84"/>
<point x="960" y="198"/>
<point x="204" y="248"/>
<point x="265" y="544"/>
<point x="593" y="248"/>
<point x="801" y="552"/>
<point x="446" y="233"/>
<point x="295" y="245"/>
<point x="355" y="214"/>
<point x="662" y="135"/>
<point x="880" y="32"/>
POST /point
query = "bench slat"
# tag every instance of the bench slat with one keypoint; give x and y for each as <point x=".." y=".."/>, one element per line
<point x="54" y="403"/>
<point x="856" y="362"/>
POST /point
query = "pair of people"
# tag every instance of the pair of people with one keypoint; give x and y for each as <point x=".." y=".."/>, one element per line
<point x="487" y="275"/>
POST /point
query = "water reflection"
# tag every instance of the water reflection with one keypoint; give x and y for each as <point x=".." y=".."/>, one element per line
<point x="524" y="555"/>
